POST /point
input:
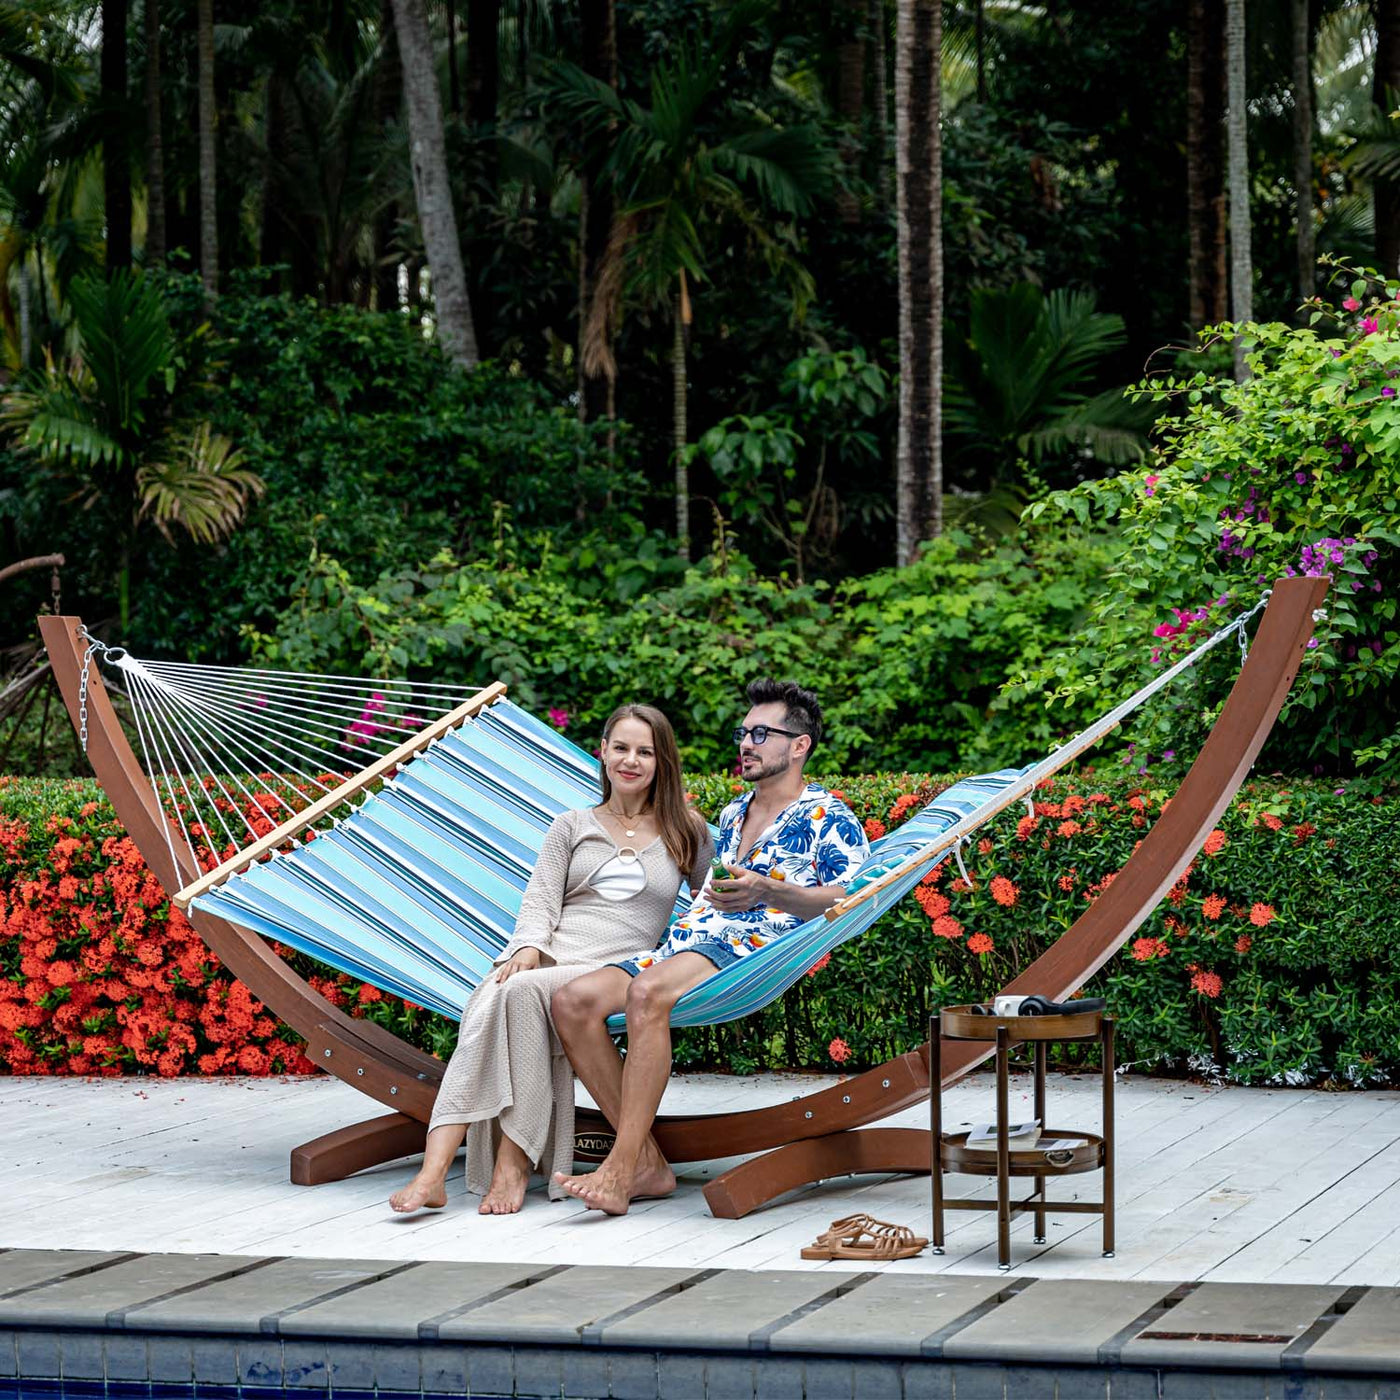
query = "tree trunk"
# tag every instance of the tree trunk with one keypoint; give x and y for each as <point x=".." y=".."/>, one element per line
<point x="116" y="149"/>
<point x="388" y="99"/>
<point x="26" y="343"/>
<point x="431" y="186"/>
<point x="1302" y="148"/>
<point x="878" y="155"/>
<point x="850" y="100"/>
<point x="596" y="392"/>
<point x="454" y="84"/>
<point x="680" y="318"/>
<point x="1237" y="156"/>
<point x="1207" y="227"/>
<point x="208" y="181"/>
<point x="981" y="23"/>
<point x="918" y="172"/>
<point x="1386" y="94"/>
<point x="155" y="147"/>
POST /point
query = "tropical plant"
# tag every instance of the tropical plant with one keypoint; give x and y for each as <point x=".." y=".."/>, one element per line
<point x="103" y="422"/>
<point x="1019" y="388"/>
<point x="688" y="160"/>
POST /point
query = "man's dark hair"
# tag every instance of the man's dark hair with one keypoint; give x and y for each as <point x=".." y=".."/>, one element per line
<point x="804" y="711"/>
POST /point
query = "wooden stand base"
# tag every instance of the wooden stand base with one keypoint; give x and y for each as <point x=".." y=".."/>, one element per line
<point x="349" y="1150"/>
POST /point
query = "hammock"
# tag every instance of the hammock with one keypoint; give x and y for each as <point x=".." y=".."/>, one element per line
<point x="209" y="721"/>
<point x="417" y="888"/>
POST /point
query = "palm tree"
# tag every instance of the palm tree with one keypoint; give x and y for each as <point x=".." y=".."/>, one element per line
<point x="1302" y="147"/>
<point x="688" y="161"/>
<point x="1386" y="175"/>
<point x="432" y="186"/>
<point x="1237" y="163"/>
<point x="598" y="31"/>
<point x="919" y="212"/>
<point x="155" y="146"/>
<point x="103" y="422"/>
<point x="208" y="175"/>
<point x="1207" y="227"/>
<point x="1017" y="386"/>
<point x="116" y="155"/>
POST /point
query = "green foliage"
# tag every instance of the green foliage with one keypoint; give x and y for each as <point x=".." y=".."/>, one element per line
<point x="1017" y="387"/>
<point x="106" y="423"/>
<point x="773" y="467"/>
<point x="909" y="662"/>
<point x="1297" y="470"/>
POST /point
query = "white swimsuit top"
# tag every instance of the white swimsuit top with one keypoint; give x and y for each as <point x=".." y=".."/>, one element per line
<point x="620" y="878"/>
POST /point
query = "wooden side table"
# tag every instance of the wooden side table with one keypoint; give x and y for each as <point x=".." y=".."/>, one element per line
<point x="1089" y="1152"/>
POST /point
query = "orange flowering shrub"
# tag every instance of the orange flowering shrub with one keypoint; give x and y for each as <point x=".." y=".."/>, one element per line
<point x="1270" y="960"/>
<point x="98" y="974"/>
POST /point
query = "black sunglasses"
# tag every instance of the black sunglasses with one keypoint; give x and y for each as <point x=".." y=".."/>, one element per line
<point x="760" y="733"/>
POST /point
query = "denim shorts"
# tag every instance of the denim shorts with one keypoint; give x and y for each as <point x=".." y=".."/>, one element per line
<point x="717" y="950"/>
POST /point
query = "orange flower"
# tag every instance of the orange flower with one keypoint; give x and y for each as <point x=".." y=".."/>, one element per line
<point x="980" y="943"/>
<point x="1215" y="842"/>
<point x="1069" y="828"/>
<point x="1003" y="891"/>
<point x="1208" y="984"/>
<point x="1243" y="943"/>
<point x="1213" y="906"/>
<point x="1145" y="949"/>
<point x="947" y="927"/>
<point x="984" y="847"/>
<point x="820" y="963"/>
<point x="874" y="828"/>
<point x="933" y="904"/>
<point x="839" y="1051"/>
<point x="1262" y="915"/>
<point x="1272" y="822"/>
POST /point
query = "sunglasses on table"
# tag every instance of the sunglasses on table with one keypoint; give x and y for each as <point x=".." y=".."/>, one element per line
<point x="760" y="732"/>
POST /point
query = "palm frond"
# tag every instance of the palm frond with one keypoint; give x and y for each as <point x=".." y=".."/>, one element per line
<point x="198" y="486"/>
<point x="126" y="340"/>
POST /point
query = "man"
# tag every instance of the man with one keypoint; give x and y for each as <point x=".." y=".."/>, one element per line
<point x="788" y="847"/>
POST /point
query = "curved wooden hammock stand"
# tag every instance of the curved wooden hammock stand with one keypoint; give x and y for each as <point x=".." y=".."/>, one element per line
<point x="818" y="1136"/>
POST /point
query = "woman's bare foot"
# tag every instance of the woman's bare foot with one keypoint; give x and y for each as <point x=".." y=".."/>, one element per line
<point x="423" y="1192"/>
<point x="507" y="1191"/>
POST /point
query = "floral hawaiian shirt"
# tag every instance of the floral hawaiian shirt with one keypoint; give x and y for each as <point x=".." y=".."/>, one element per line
<point x="814" y="840"/>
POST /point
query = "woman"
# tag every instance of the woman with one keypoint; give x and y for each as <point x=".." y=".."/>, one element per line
<point x="603" y="890"/>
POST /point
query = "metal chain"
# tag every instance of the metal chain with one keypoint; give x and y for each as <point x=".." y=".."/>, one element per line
<point x="95" y="648"/>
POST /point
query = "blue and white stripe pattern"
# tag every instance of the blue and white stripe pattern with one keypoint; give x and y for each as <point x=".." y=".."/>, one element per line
<point x="417" y="889"/>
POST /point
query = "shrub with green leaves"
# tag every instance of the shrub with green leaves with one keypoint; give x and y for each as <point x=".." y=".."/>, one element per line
<point x="907" y="662"/>
<point x="1294" y="471"/>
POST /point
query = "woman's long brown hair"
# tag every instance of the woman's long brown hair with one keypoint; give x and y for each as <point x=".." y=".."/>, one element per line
<point x="679" y="827"/>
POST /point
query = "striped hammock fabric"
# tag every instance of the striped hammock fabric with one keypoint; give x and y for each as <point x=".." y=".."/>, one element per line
<point x="416" y="891"/>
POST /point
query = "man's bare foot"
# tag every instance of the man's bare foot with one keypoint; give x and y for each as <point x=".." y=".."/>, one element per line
<point x="608" y="1189"/>
<point x="420" y="1193"/>
<point x="507" y="1191"/>
<point x="653" y="1181"/>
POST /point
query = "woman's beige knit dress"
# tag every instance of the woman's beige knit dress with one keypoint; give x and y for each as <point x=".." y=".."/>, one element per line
<point x="509" y="1072"/>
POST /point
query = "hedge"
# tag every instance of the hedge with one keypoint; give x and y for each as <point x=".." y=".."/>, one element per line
<point x="1270" y="962"/>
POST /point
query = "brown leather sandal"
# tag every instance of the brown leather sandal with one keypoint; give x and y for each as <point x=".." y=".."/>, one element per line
<point x="864" y="1237"/>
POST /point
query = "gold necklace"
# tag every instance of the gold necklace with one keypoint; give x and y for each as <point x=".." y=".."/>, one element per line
<point x="624" y="819"/>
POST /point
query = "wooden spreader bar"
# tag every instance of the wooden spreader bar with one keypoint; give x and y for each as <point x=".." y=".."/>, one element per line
<point x="327" y="804"/>
<point x="811" y="1138"/>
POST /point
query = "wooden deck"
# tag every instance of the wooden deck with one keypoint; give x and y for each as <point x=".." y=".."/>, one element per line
<point x="1223" y="1184"/>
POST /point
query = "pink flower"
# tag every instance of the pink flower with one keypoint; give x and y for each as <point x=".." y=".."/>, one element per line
<point x="1149" y="485"/>
<point x="1388" y="392"/>
<point x="1368" y="325"/>
<point x="559" y="718"/>
<point x="1351" y="304"/>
